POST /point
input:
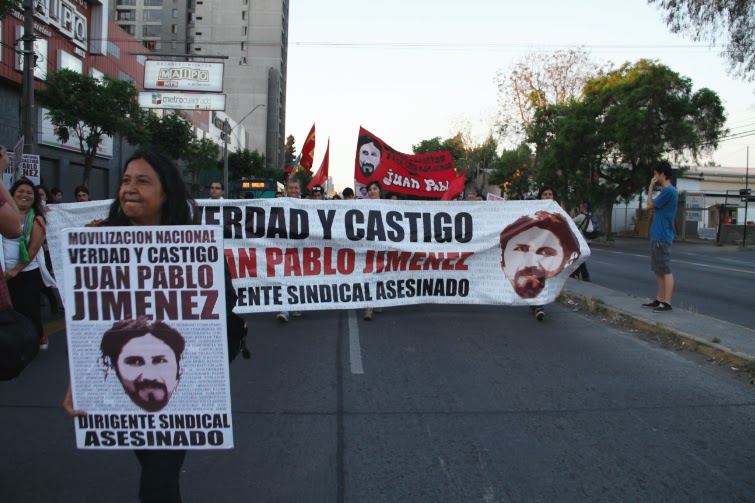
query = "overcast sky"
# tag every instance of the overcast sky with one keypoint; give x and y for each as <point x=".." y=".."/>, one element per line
<point x="409" y="70"/>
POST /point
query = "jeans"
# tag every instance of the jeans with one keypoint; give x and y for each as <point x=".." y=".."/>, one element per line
<point x="160" y="472"/>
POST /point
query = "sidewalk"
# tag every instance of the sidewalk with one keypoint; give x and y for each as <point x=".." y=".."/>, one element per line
<point x="734" y="342"/>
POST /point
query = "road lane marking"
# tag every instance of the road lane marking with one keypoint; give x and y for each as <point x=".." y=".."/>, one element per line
<point x="355" y="350"/>
<point x="732" y="269"/>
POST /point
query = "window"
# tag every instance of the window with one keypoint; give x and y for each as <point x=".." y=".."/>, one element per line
<point x="153" y="3"/>
<point x="174" y="13"/>
<point x="243" y="46"/>
<point x="153" y="15"/>
<point x="243" y="30"/>
<point x="130" y="29"/>
<point x="243" y="15"/>
<point x="198" y="34"/>
<point x="127" y="2"/>
<point x="175" y="28"/>
<point x="151" y="30"/>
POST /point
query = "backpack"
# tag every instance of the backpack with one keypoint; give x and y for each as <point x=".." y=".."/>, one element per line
<point x="590" y="227"/>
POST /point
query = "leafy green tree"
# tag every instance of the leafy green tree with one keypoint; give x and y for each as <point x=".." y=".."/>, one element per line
<point x="290" y="152"/>
<point x="514" y="172"/>
<point x="172" y="133"/>
<point x="251" y="164"/>
<point x="8" y="6"/>
<point x="713" y="20"/>
<point x="601" y="148"/>
<point x="85" y="109"/>
<point x="202" y="157"/>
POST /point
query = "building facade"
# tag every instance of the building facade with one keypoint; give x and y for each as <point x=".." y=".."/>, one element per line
<point x="251" y="34"/>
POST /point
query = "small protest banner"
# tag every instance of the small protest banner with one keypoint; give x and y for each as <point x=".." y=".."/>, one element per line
<point x="294" y="254"/>
<point x="428" y="175"/>
<point x="30" y="169"/>
<point x="146" y="324"/>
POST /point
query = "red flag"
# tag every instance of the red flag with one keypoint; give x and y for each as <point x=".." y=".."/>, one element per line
<point x="308" y="150"/>
<point x="456" y="187"/>
<point x="322" y="174"/>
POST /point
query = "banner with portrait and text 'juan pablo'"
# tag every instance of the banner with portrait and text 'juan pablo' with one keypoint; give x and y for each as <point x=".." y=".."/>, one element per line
<point x="428" y="175"/>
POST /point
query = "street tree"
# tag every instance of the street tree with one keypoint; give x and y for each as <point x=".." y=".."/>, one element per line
<point x="171" y="133"/>
<point x="289" y="155"/>
<point x="513" y="171"/>
<point x="601" y="148"/>
<point x="202" y="157"/>
<point x="8" y="6"/>
<point x="730" y="21"/>
<point x="251" y="164"/>
<point x="85" y="109"/>
<point x="539" y="79"/>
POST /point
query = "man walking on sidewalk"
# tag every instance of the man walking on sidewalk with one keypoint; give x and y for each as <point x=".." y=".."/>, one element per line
<point x="661" y="235"/>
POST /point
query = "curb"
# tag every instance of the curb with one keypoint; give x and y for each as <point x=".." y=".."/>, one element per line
<point x="690" y="342"/>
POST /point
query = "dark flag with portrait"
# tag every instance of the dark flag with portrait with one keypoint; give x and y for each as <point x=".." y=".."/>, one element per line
<point x="428" y="175"/>
<point x="146" y="323"/>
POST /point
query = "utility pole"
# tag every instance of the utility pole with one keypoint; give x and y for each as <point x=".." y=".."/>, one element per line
<point x="747" y="197"/>
<point x="27" y="118"/>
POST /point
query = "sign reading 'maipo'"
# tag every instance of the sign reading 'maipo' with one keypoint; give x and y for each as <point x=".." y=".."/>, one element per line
<point x="183" y="76"/>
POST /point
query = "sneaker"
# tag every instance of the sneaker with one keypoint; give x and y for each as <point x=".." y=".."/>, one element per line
<point x="378" y="310"/>
<point x="663" y="308"/>
<point x="282" y="317"/>
<point x="652" y="305"/>
<point x="368" y="314"/>
<point x="44" y="343"/>
<point x="539" y="314"/>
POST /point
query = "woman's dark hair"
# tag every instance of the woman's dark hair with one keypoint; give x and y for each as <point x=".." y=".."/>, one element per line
<point x="179" y="207"/>
<point x="543" y="189"/>
<point x="374" y="182"/>
<point x="36" y="205"/>
<point x="48" y="195"/>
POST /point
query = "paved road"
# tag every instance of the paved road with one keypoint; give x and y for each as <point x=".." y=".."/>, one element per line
<point x="455" y="403"/>
<point x="715" y="281"/>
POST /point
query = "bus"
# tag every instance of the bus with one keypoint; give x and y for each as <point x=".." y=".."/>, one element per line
<point x="256" y="188"/>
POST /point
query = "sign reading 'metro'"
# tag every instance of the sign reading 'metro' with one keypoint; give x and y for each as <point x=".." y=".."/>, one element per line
<point x="182" y="101"/>
<point x="183" y="76"/>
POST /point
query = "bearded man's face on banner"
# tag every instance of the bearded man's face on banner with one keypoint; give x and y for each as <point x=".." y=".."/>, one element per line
<point x="531" y="257"/>
<point x="369" y="159"/>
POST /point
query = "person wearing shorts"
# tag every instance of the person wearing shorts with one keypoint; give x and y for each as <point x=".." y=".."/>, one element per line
<point x="662" y="234"/>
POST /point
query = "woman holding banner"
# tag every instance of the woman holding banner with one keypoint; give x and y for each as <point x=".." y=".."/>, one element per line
<point x="373" y="192"/>
<point x="546" y="193"/>
<point x="21" y="266"/>
<point x="143" y="200"/>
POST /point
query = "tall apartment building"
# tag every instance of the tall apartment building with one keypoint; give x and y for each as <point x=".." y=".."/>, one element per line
<point x="253" y="34"/>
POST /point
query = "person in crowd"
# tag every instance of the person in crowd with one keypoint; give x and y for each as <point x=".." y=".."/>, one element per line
<point x="293" y="190"/>
<point x="373" y="192"/>
<point x="152" y="192"/>
<point x="278" y="194"/>
<point x="49" y="292"/>
<point x="469" y="196"/>
<point x="546" y="192"/>
<point x="57" y="196"/>
<point x="318" y="193"/>
<point x="21" y="266"/>
<point x="662" y="234"/>
<point x="217" y="190"/>
<point x="478" y="197"/>
<point x="10" y="223"/>
<point x="348" y="194"/>
<point x="582" y="220"/>
<point x="336" y="197"/>
<point x="82" y="194"/>
<point x="44" y="196"/>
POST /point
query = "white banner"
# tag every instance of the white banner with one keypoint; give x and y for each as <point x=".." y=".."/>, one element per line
<point x="182" y="101"/>
<point x="183" y="76"/>
<point x="29" y="170"/>
<point x="313" y="255"/>
<point x="147" y="348"/>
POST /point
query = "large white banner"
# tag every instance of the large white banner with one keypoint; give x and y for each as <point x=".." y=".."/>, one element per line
<point x="311" y="255"/>
<point x="147" y="348"/>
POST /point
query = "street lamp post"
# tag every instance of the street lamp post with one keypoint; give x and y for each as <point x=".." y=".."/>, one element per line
<point x="227" y="130"/>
